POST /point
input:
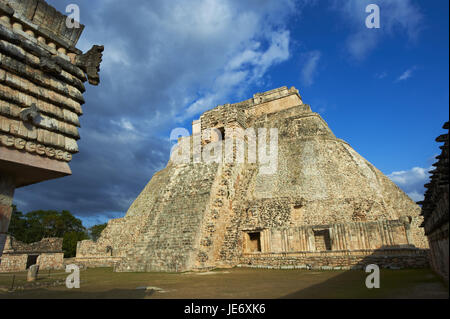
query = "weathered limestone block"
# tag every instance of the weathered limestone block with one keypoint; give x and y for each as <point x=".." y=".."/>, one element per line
<point x="50" y="261"/>
<point x="13" y="263"/>
<point x="32" y="273"/>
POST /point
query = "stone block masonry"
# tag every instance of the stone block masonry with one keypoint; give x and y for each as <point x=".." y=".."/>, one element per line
<point x="325" y="204"/>
<point x="18" y="256"/>
<point x="435" y="209"/>
<point x="396" y="258"/>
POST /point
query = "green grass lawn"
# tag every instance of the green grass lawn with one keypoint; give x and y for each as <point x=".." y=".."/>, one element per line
<point x="240" y="283"/>
<point x="8" y="280"/>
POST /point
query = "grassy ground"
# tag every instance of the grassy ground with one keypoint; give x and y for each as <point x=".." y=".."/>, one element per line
<point x="240" y="283"/>
<point x="8" y="280"/>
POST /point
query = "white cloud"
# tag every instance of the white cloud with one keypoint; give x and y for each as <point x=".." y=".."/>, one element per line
<point x="406" y="75"/>
<point x="124" y="124"/>
<point x="416" y="196"/>
<point x="243" y="69"/>
<point x="206" y="50"/>
<point x="412" y="181"/>
<point x="381" y="75"/>
<point x="396" y="17"/>
<point x="309" y="70"/>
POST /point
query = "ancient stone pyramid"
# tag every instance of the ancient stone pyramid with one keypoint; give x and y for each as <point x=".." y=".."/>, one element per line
<point x="323" y="202"/>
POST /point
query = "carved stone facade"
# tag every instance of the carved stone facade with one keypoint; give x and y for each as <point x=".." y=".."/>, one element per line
<point x="435" y="208"/>
<point x="18" y="256"/>
<point x="42" y="77"/>
<point x="323" y="205"/>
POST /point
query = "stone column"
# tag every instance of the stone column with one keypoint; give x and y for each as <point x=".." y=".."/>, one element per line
<point x="7" y="187"/>
<point x="311" y="239"/>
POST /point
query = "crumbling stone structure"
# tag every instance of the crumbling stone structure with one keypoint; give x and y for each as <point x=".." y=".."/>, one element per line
<point x="323" y="206"/>
<point x="18" y="256"/>
<point x="435" y="210"/>
<point x="42" y="77"/>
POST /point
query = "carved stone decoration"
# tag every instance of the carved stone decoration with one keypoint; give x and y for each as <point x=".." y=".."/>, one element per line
<point x="48" y="65"/>
<point x="89" y="62"/>
<point x="30" y="114"/>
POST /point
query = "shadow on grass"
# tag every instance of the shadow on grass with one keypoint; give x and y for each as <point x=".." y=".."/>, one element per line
<point x="413" y="283"/>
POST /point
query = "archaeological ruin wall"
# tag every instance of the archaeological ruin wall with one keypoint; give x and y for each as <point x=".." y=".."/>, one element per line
<point x="18" y="256"/>
<point x="435" y="209"/>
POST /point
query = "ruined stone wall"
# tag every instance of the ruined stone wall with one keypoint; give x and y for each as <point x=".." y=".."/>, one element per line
<point x="13" y="263"/>
<point x="435" y="209"/>
<point x="115" y="238"/>
<point x="45" y="245"/>
<point x="94" y="262"/>
<point x="339" y="260"/>
<point x="50" y="261"/>
<point x="16" y="262"/>
<point x="48" y="251"/>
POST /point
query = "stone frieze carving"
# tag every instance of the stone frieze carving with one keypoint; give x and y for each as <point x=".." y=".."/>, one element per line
<point x="30" y="114"/>
<point x="89" y="62"/>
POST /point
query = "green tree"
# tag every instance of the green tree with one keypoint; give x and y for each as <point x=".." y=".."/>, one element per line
<point x="96" y="230"/>
<point x="17" y="224"/>
<point x="70" y="242"/>
<point x="39" y="224"/>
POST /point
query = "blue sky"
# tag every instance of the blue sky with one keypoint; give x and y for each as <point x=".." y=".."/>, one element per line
<point x="384" y="91"/>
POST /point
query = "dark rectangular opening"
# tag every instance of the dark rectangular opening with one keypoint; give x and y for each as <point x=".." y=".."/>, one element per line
<point x="222" y="133"/>
<point x="322" y="239"/>
<point x="254" y="242"/>
<point x="31" y="260"/>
